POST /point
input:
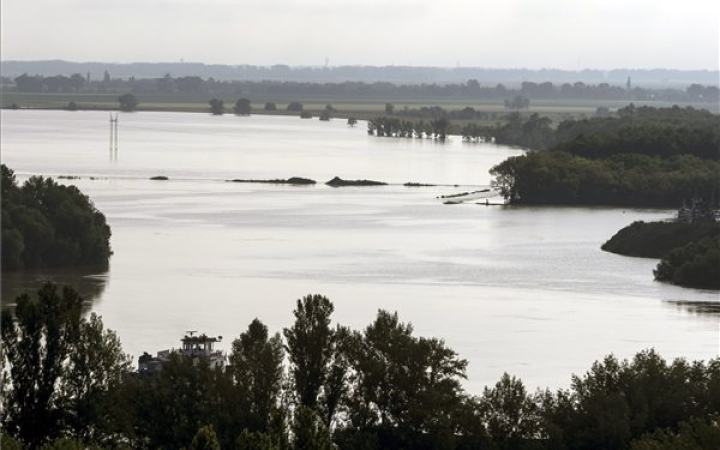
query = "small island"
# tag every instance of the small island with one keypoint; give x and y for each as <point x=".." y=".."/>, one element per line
<point x="339" y="182"/>
<point x="297" y="181"/>
<point x="688" y="246"/>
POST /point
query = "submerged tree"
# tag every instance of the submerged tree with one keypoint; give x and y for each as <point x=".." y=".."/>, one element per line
<point x="128" y="102"/>
<point x="217" y="107"/>
<point x="242" y="107"/>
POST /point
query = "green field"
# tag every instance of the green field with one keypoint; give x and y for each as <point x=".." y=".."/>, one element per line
<point x="360" y="108"/>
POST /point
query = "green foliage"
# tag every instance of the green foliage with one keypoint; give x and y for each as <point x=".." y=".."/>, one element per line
<point x="205" y="439"/>
<point x="242" y="107"/>
<point x="256" y="362"/>
<point x="45" y="224"/>
<point x="8" y="442"/>
<point x="618" y="401"/>
<point x="406" y="388"/>
<point x="309" y="432"/>
<point x="295" y="106"/>
<point x="96" y="367"/>
<point x="696" y="434"/>
<point x="553" y="177"/>
<point x="128" y="102"/>
<point x="61" y="368"/>
<point x="697" y="265"/>
<point x="309" y="346"/>
<point x="382" y="388"/>
<point x="438" y="128"/>
<point x="217" y="107"/>
<point x="509" y="412"/>
<point x="36" y="345"/>
<point x="644" y="157"/>
<point x="64" y="444"/>
<point x="270" y="106"/>
<point x="518" y="102"/>
<point x="305" y="114"/>
<point x="656" y="239"/>
<point x="645" y="130"/>
<point x="255" y="440"/>
<point x="170" y="406"/>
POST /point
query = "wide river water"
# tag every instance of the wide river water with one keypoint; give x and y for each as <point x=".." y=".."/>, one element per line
<point x="512" y="289"/>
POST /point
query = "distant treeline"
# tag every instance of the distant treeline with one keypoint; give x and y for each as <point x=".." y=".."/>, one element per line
<point x="320" y="386"/>
<point x="394" y="74"/>
<point x="45" y="224"/>
<point x="468" y="90"/>
<point x="643" y="157"/>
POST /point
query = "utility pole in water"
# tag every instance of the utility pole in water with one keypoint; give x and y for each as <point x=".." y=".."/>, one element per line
<point x="113" y="137"/>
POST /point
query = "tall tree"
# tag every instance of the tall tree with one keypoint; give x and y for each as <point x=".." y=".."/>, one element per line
<point x="309" y="432"/>
<point x="97" y="365"/>
<point x="309" y="346"/>
<point x="36" y="345"/>
<point x="256" y="362"/>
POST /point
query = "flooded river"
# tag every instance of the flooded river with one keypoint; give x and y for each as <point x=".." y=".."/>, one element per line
<point x="522" y="290"/>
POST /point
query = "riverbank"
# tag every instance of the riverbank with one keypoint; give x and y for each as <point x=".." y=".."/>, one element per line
<point x="656" y="239"/>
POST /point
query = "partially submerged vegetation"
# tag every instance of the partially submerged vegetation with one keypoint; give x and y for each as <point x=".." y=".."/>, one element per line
<point x="299" y="181"/>
<point x="48" y="225"/>
<point x="696" y="264"/>
<point x="656" y="239"/>
<point x="644" y="157"/>
<point x="318" y="385"/>
<point x="690" y="252"/>
<point x="339" y="182"/>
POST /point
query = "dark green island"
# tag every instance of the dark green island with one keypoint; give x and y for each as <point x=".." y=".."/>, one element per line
<point x="641" y="157"/>
<point x="48" y="225"/>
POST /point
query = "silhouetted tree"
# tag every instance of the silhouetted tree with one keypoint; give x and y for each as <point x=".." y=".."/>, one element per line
<point x="128" y="102"/>
<point x="217" y="107"/>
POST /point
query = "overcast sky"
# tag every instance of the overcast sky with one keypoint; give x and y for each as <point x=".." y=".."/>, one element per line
<point x="565" y="34"/>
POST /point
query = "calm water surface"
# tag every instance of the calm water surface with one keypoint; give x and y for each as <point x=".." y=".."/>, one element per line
<point x="522" y="290"/>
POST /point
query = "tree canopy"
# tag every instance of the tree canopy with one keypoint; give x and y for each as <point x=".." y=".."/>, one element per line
<point x="382" y="387"/>
<point x="644" y="157"/>
<point x="46" y="224"/>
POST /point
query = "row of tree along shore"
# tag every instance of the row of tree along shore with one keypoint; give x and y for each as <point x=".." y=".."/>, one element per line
<point x="67" y="384"/>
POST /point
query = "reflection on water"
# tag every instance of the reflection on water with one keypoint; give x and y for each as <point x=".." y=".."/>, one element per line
<point x="703" y="308"/>
<point x="90" y="282"/>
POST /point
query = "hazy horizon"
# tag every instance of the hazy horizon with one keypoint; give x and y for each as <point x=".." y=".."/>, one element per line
<point x="518" y="34"/>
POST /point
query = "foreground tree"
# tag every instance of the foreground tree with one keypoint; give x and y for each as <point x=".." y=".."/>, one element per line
<point x="510" y="414"/>
<point x="256" y="362"/>
<point x="205" y="439"/>
<point x="309" y="347"/>
<point x="309" y="432"/>
<point x="36" y="346"/>
<point x="96" y="367"/>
